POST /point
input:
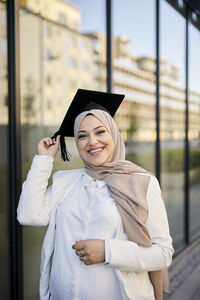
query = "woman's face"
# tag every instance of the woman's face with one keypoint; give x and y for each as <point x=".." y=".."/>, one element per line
<point x="95" y="143"/>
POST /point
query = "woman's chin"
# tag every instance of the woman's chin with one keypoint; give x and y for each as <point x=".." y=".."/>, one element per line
<point x="95" y="161"/>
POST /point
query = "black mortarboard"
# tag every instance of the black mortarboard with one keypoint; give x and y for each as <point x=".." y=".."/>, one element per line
<point x="85" y="100"/>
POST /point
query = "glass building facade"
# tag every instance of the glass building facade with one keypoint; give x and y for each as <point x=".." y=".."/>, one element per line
<point x="147" y="50"/>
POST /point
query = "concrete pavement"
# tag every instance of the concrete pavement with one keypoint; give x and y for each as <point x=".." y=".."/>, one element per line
<point x="185" y="274"/>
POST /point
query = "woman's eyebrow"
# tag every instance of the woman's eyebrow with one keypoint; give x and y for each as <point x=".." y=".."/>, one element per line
<point x="82" y="131"/>
<point x="93" y="129"/>
<point x="98" y="127"/>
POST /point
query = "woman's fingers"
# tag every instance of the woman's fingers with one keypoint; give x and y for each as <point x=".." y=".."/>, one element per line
<point x="86" y="260"/>
<point x="57" y="141"/>
<point x="79" y="245"/>
<point x="45" y="142"/>
<point x="49" y="146"/>
<point x="48" y="141"/>
<point x="80" y="252"/>
<point x="93" y="249"/>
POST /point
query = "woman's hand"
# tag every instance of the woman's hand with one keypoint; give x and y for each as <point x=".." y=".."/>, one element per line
<point x="49" y="147"/>
<point x="90" y="251"/>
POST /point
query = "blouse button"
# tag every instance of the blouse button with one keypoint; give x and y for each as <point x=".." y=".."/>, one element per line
<point x="94" y="180"/>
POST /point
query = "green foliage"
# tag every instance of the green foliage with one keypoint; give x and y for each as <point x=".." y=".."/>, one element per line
<point x="194" y="158"/>
<point x="4" y="188"/>
<point x="146" y="161"/>
<point x="172" y="160"/>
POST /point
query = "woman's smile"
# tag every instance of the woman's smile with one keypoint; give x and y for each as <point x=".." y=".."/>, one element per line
<point x="95" y="143"/>
<point x="96" y="151"/>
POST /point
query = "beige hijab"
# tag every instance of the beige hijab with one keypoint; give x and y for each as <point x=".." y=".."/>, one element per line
<point x="128" y="188"/>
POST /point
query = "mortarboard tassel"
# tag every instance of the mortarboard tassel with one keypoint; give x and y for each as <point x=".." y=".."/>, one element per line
<point x="64" y="153"/>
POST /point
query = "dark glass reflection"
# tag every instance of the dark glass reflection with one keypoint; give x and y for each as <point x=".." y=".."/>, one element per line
<point x="134" y="76"/>
<point x="62" y="49"/>
<point x="4" y="199"/>
<point x="194" y="130"/>
<point x="172" y="121"/>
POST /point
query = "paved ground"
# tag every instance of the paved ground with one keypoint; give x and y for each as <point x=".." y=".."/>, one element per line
<point x="185" y="274"/>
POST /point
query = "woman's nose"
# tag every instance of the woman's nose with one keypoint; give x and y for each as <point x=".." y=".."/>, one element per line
<point x="92" y="140"/>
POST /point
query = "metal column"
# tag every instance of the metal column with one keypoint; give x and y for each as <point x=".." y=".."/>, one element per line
<point x="14" y="147"/>
<point x="186" y="200"/>
<point x="109" y="44"/>
<point x="157" y="160"/>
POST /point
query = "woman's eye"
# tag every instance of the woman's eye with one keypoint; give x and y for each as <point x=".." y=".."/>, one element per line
<point x="100" y="131"/>
<point x="81" y="136"/>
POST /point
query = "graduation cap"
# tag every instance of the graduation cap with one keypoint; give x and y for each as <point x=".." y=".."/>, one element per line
<point x="85" y="100"/>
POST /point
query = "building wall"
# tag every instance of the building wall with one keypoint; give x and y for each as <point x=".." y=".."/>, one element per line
<point x="66" y="54"/>
<point x="57" y="56"/>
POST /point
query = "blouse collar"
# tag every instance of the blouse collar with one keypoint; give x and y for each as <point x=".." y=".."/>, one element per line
<point x="88" y="180"/>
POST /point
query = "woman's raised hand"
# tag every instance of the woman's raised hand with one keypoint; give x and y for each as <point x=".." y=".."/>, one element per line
<point x="48" y="146"/>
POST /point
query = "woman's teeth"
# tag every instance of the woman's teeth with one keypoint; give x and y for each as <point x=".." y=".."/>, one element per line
<point x="96" y="150"/>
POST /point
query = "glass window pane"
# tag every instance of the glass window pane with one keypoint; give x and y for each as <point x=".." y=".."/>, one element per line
<point x="134" y="75"/>
<point x="62" y="49"/>
<point x="172" y="126"/>
<point x="4" y="200"/>
<point x="194" y="129"/>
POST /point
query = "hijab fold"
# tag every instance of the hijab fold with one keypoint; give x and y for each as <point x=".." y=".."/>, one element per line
<point x="128" y="186"/>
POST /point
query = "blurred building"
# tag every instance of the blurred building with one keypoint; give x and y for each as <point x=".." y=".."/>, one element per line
<point x="159" y="118"/>
<point x="3" y="67"/>
<point x="67" y="54"/>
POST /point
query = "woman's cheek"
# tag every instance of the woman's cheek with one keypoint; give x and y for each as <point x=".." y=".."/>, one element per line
<point x="81" y="144"/>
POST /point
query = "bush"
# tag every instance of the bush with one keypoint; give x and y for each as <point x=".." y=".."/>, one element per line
<point x="194" y="158"/>
<point x="172" y="160"/>
<point x="146" y="161"/>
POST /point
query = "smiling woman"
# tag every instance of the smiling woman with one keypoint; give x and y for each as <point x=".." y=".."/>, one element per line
<point x="107" y="221"/>
<point x="95" y="144"/>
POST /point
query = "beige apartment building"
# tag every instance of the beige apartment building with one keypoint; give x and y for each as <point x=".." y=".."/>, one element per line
<point x="57" y="58"/>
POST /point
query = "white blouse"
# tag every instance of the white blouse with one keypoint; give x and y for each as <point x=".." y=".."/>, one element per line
<point x="87" y="213"/>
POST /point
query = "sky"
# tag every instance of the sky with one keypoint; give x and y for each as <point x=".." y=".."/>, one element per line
<point x="136" y="20"/>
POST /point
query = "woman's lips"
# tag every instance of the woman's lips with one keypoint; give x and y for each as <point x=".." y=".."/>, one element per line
<point x="96" y="151"/>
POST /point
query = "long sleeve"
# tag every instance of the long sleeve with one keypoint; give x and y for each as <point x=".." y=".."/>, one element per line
<point x="33" y="208"/>
<point x="129" y="256"/>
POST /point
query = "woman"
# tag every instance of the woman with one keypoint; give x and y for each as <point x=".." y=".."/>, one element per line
<point x="108" y="235"/>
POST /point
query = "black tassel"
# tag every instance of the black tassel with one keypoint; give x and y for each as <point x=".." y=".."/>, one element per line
<point x="64" y="153"/>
